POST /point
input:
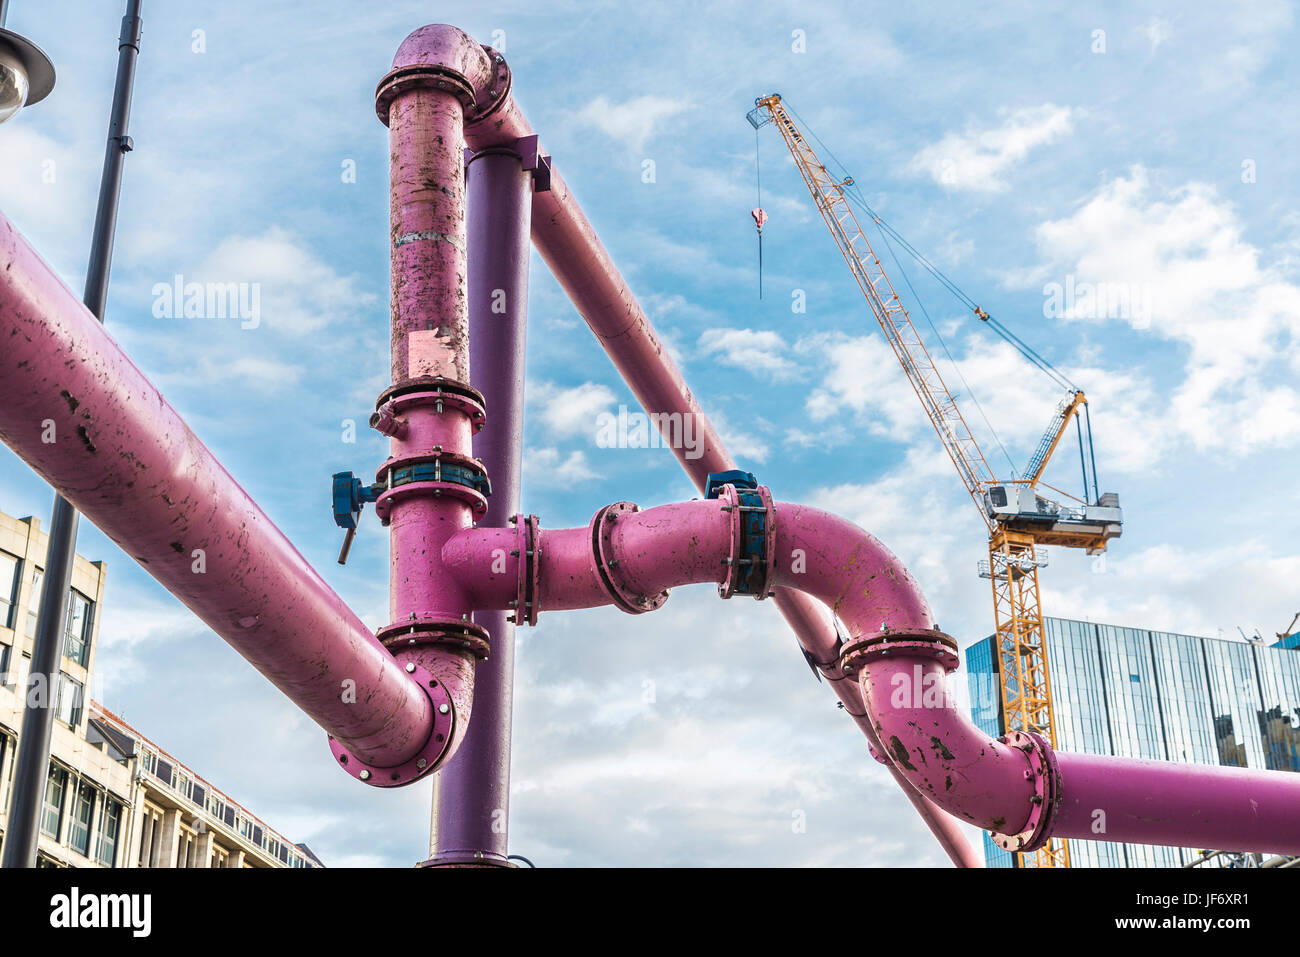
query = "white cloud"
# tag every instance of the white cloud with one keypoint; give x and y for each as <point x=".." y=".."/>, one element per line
<point x="977" y="158"/>
<point x="1209" y="290"/>
<point x="572" y="411"/>
<point x="762" y="352"/>
<point x="298" y="293"/>
<point x="633" y="121"/>
<point x="1157" y="30"/>
<point x="743" y="445"/>
<point x="548" y="467"/>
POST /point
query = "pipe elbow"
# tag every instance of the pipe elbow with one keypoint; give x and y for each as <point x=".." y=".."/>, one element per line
<point x="1010" y="786"/>
<point x="449" y="59"/>
<point x="901" y="664"/>
<point x="445" y="675"/>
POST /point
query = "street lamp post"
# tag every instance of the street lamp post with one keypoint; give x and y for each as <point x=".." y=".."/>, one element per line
<point x="32" y="762"/>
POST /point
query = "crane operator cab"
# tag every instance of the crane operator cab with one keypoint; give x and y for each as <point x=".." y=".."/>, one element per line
<point x="1018" y="506"/>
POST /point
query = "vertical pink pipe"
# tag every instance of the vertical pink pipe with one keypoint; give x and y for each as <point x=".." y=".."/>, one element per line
<point x="422" y="101"/>
<point x="471" y="796"/>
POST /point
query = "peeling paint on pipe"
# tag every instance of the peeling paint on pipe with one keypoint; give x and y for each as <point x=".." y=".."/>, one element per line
<point x="126" y="459"/>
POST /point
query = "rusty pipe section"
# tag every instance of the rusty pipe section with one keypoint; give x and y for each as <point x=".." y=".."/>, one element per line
<point x="430" y="487"/>
<point x="80" y="413"/>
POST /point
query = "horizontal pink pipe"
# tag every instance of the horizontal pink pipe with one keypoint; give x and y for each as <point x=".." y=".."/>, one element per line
<point x="125" y="458"/>
<point x="1186" y="805"/>
<point x="671" y="545"/>
<point x="914" y="723"/>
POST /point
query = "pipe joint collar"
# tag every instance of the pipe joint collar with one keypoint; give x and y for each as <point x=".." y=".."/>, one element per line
<point x="442" y="473"/>
<point x="528" y="550"/>
<point x="920" y="643"/>
<point x="461" y="636"/>
<point x="427" y="759"/>
<point x="753" y="540"/>
<point x="604" y="559"/>
<point x="1044" y="803"/>
<point x="442" y="57"/>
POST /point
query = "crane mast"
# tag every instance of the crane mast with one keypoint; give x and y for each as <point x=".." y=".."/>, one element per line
<point x="1017" y="517"/>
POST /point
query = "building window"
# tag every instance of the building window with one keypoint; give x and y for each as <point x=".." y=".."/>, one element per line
<point x="9" y="578"/>
<point x="82" y="813"/>
<point x="71" y="693"/>
<point x="77" y="630"/>
<point x="5" y="680"/>
<point x="52" y="807"/>
<point x="34" y="600"/>
<point x="110" y="825"/>
<point x="148" y="835"/>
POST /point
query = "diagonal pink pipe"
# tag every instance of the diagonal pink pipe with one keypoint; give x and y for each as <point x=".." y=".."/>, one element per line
<point x="993" y="784"/>
<point x="80" y="413"/>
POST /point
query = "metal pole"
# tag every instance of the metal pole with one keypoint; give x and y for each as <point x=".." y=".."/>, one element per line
<point x="38" y="719"/>
<point x="471" y="796"/>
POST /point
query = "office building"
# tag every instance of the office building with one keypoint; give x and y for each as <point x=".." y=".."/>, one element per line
<point x="113" y="797"/>
<point x="1137" y="693"/>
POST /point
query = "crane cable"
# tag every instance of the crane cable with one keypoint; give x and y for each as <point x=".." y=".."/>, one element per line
<point x="854" y="194"/>
<point x="965" y="385"/>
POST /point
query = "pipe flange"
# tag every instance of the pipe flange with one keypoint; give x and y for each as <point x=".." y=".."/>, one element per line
<point x="920" y="643"/>
<point x="606" y="565"/>
<point x="424" y="76"/>
<point x="440" y="399"/>
<point x="427" y="758"/>
<point x="430" y="383"/>
<point x="1046" y="799"/>
<point x="442" y="473"/>
<point x="460" y="635"/>
<point x="753" y="541"/>
<point x="529" y="551"/>
<point x="489" y="100"/>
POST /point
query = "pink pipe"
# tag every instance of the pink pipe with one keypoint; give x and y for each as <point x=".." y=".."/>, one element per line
<point x="569" y="245"/>
<point x="124" y="457"/>
<point x="422" y="100"/>
<point x="940" y="753"/>
<point x="914" y="723"/>
<point x="1152" y="802"/>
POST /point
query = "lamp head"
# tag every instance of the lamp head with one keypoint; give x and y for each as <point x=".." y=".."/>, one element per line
<point x="26" y="73"/>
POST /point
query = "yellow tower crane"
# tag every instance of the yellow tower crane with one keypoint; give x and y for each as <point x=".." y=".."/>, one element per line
<point x="1020" y="520"/>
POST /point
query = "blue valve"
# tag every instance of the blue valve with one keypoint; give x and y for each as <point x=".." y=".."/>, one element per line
<point x="713" y="485"/>
<point x="350" y="497"/>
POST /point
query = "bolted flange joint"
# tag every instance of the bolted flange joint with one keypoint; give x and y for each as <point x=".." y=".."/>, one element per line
<point x="528" y="550"/>
<point x="1044" y="802"/>
<point x="478" y="102"/>
<point x="752" y="553"/>
<point x="920" y="643"/>
<point x="427" y="759"/>
<point x="458" y="636"/>
<point x="603" y="560"/>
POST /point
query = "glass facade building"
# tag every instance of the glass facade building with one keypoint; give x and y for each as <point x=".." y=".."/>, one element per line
<point x="1135" y="693"/>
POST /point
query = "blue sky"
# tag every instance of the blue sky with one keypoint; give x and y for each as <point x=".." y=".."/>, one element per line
<point x="1012" y="142"/>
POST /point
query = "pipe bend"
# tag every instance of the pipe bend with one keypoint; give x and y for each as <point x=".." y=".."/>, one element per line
<point x="911" y="707"/>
